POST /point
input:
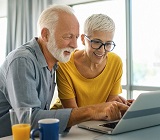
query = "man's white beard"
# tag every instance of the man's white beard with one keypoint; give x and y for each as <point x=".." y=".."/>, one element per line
<point x="56" y="52"/>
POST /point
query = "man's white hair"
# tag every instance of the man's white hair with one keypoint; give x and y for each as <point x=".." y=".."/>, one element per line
<point x="49" y="17"/>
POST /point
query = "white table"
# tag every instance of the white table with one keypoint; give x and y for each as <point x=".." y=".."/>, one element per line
<point x="74" y="134"/>
<point x="152" y="133"/>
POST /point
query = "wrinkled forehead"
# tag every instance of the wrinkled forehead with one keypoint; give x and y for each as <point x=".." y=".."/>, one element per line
<point x="67" y="23"/>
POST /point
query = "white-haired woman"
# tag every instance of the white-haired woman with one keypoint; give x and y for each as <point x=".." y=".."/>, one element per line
<point x="93" y="75"/>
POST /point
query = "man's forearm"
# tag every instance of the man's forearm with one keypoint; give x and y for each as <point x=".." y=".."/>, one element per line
<point x="80" y="114"/>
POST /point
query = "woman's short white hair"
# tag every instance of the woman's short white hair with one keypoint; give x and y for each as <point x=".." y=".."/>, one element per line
<point x="49" y="17"/>
<point x="98" y="22"/>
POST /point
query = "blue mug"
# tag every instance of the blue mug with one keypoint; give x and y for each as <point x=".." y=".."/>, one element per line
<point x="48" y="128"/>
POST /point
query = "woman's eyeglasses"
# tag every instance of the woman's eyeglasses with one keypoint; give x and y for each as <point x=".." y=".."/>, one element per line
<point x="96" y="44"/>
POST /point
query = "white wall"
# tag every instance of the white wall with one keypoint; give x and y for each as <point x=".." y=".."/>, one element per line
<point x="3" y="8"/>
<point x="71" y="2"/>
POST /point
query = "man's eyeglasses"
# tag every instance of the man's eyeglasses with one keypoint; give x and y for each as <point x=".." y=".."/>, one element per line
<point x="96" y="44"/>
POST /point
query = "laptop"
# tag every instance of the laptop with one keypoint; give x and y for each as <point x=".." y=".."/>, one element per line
<point x="144" y="112"/>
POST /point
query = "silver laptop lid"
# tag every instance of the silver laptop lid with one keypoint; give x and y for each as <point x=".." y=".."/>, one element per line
<point x="144" y="112"/>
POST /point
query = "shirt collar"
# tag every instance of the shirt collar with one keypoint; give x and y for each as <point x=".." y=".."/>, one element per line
<point x="39" y="55"/>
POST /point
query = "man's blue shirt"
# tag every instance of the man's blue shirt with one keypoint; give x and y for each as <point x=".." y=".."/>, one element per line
<point x="26" y="81"/>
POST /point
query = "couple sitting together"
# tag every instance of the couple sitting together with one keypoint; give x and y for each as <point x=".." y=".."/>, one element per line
<point x="88" y="80"/>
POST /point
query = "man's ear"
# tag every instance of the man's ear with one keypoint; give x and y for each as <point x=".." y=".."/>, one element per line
<point x="45" y="34"/>
<point x="82" y="39"/>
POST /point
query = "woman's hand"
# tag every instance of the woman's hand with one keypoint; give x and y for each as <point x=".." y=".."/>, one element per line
<point x="119" y="99"/>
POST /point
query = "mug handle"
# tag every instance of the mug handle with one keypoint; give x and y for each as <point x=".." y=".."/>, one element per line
<point x="33" y="131"/>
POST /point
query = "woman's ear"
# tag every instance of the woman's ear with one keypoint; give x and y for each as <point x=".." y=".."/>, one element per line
<point x="82" y="39"/>
<point x="45" y="34"/>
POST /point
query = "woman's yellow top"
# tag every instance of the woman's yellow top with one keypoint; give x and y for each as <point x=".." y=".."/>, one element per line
<point x="71" y="84"/>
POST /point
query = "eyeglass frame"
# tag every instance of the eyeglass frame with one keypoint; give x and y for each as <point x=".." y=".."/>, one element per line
<point x="102" y="44"/>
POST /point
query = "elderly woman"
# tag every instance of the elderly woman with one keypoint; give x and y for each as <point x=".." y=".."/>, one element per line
<point x="93" y="75"/>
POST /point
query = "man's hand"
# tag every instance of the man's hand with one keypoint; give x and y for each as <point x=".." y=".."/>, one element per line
<point x="109" y="111"/>
<point x="104" y="111"/>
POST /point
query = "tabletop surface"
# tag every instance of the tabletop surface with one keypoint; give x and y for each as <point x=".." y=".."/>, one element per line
<point x="82" y="134"/>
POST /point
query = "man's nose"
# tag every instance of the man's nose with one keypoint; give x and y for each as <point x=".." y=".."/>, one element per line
<point x="73" y="42"/>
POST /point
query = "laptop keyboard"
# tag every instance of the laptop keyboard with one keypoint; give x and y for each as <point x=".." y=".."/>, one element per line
<point x="110" y="125"/>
